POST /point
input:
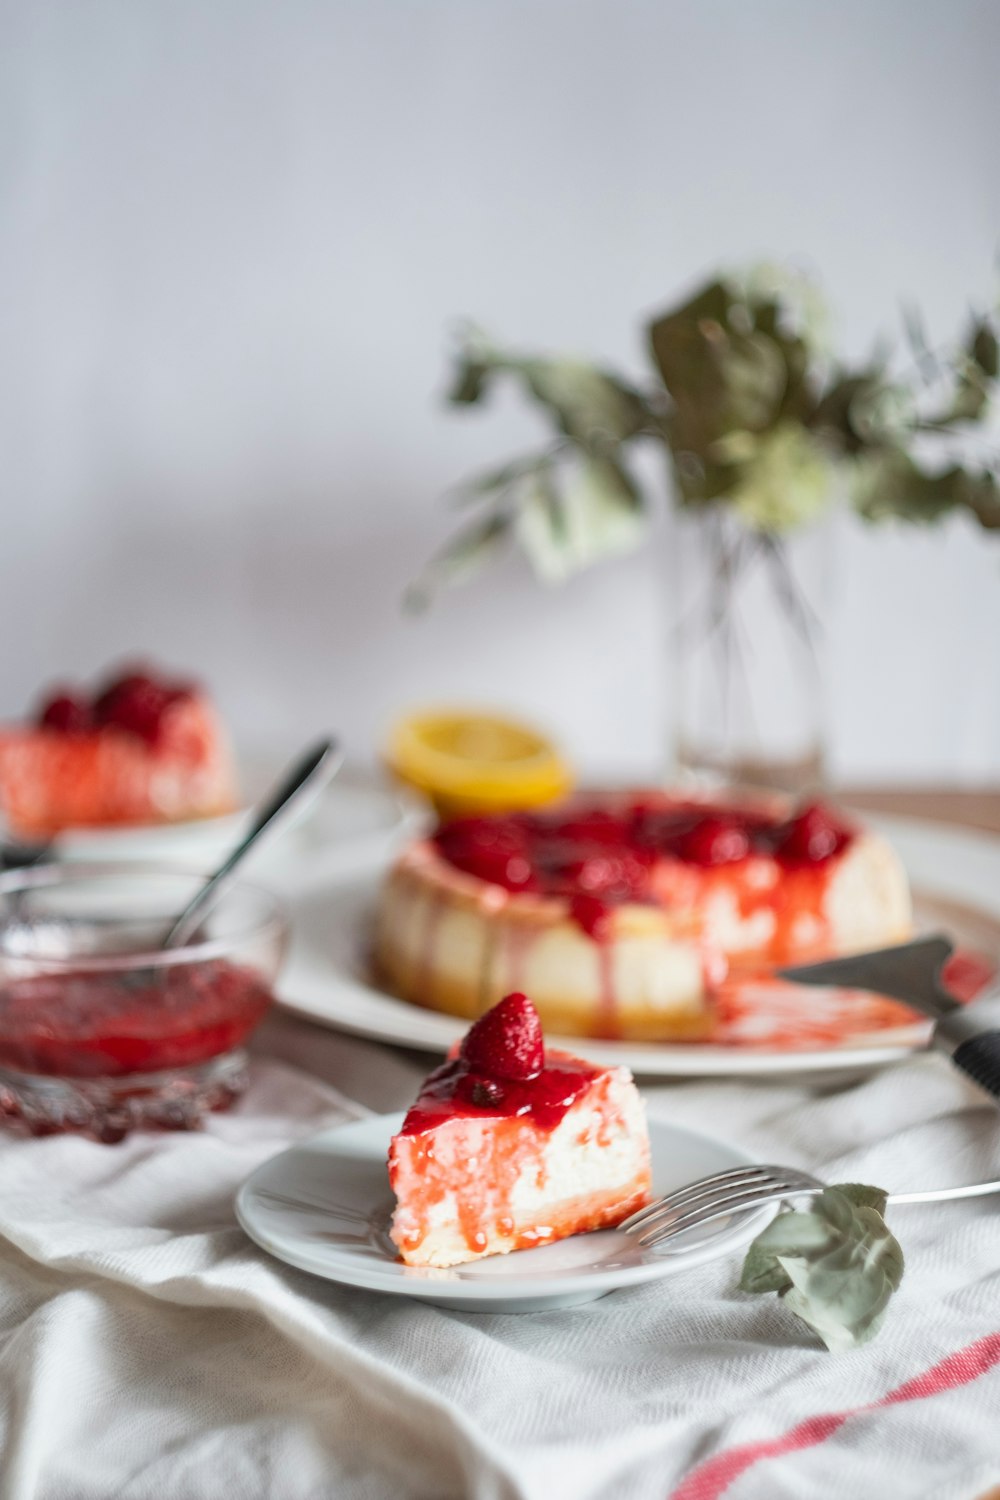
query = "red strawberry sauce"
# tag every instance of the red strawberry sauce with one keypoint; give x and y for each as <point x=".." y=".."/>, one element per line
<point x="85" y="1024"/>
<point x="599" y="857"/>
<point x="454" y="1089"/>
<point x="502" y="1070"/>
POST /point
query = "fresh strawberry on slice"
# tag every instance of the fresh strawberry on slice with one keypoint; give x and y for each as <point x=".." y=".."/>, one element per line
<point x="507" y="1041"/>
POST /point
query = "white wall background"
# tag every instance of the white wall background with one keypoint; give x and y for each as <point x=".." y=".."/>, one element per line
<point x="233" y="236"/>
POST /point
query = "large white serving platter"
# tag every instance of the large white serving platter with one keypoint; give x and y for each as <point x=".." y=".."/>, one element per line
<point x="956" y="875"/>
<point x="325" y="1206"/>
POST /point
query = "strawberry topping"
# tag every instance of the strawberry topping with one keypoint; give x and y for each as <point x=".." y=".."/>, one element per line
<point x="135" y="702"/>
<point x="66" y="712"/>
<point x="507" y="1041"/>
<point x="495" y="849"/>
<point x="597" y="858"/>
<point x="714" y="841"/>
<point x="811" y="836"/>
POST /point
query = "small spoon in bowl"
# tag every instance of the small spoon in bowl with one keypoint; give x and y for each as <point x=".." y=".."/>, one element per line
<point x="300" y="785"/>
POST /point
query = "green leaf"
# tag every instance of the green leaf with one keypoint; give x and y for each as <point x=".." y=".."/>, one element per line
<point x="463" y="555"/>
<point x="970" y="398"/>
<point x="468" y="381"/>
<point x="785" y="483"/>
<point x="595" y="409"/>
<point x="982" y="498"/>
<point x="719" y="378"/>
<point x="984" y="348"/>
<point x="542" y="529"/>
<point x="786" y="1234"/>
<point x="596" y="512"/>
<point x="763" y="1271"/>
<point x="844" y="411"/>
<point x="738" y="365"/>
<point x="591" y="406"/>
<point x="700" y="480"/>
<point x="864" y="1197"/>
<point x="836" y="1264"/>
<point x="495" y="482"/>
<point x="889" y="484"/>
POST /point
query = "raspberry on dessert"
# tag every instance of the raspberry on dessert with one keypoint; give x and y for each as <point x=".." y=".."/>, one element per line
<point x="135" y="703"/>
<point x="811" y="836"/>
<point x="494" y="849"/>
<point x="507" y="1041"/>
<point x="714" y="841"/>
<point x="591" y="826"/>
<point x="622" y="874"/>
<point x="66" y="712"/>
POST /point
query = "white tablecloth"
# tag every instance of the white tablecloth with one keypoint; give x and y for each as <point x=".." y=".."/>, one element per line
<point x="148" y="1349"/>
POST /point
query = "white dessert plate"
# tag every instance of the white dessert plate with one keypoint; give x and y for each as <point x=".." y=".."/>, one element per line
<point x="325" y="1206"/>
<point x="956" y="876"/>
<point x="353" y="826"/>
<point x="195" y="842"/>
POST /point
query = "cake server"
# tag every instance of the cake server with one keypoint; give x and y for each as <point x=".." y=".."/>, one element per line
<point x="911" y="972"/>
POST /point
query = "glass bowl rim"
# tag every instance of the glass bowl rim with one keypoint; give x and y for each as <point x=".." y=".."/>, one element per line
<point x="273" y="924"/>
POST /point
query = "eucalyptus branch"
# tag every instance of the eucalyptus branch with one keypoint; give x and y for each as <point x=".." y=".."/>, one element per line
<point x="749" y="416"/>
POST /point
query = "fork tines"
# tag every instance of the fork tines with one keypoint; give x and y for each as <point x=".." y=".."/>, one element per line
<point x="716" y="1197"/>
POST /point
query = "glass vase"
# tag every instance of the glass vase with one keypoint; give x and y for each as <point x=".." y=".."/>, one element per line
<point x="749" y="646"/>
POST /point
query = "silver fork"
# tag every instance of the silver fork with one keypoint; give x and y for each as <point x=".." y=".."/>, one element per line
<point x="745" y="1189"/>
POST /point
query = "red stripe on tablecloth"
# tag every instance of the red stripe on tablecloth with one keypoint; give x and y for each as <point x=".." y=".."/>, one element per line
<point x="716" y="1474"/>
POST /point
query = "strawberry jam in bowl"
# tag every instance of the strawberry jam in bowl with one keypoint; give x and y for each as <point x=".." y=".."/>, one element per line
<point x="101" y="1030"/>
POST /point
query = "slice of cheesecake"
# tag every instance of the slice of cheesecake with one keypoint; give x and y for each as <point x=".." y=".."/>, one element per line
<point x="509" y="1147"/>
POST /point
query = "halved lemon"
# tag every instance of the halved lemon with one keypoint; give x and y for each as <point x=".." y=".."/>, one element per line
<point x="468" y="762"/>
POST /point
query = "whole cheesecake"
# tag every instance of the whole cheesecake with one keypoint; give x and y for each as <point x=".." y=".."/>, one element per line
<point x="511" y="1146"/>
<point x="622" y="914"/>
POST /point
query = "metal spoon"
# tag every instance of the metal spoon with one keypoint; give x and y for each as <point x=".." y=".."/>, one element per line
<point x="302" y="783"/>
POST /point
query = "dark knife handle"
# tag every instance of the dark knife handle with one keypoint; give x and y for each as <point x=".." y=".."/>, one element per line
<point x="979" y="1057"/>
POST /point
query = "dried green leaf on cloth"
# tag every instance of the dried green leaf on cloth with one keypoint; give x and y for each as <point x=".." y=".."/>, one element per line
<point x="835" y="1264"/>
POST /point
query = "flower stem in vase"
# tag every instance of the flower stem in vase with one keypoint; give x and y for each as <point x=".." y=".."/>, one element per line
<point x="748" y="647"/>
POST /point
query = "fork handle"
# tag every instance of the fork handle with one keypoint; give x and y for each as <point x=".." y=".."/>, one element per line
<point x="973" y="1044"/>
<point x="979" y="1057"/>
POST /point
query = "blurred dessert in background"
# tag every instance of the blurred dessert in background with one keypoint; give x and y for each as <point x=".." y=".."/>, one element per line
<point x="623" y="913"/>
<point x="142" y="748"/>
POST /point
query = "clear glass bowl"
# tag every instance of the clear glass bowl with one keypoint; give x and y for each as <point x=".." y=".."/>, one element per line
<point x="102" y="1031"/>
